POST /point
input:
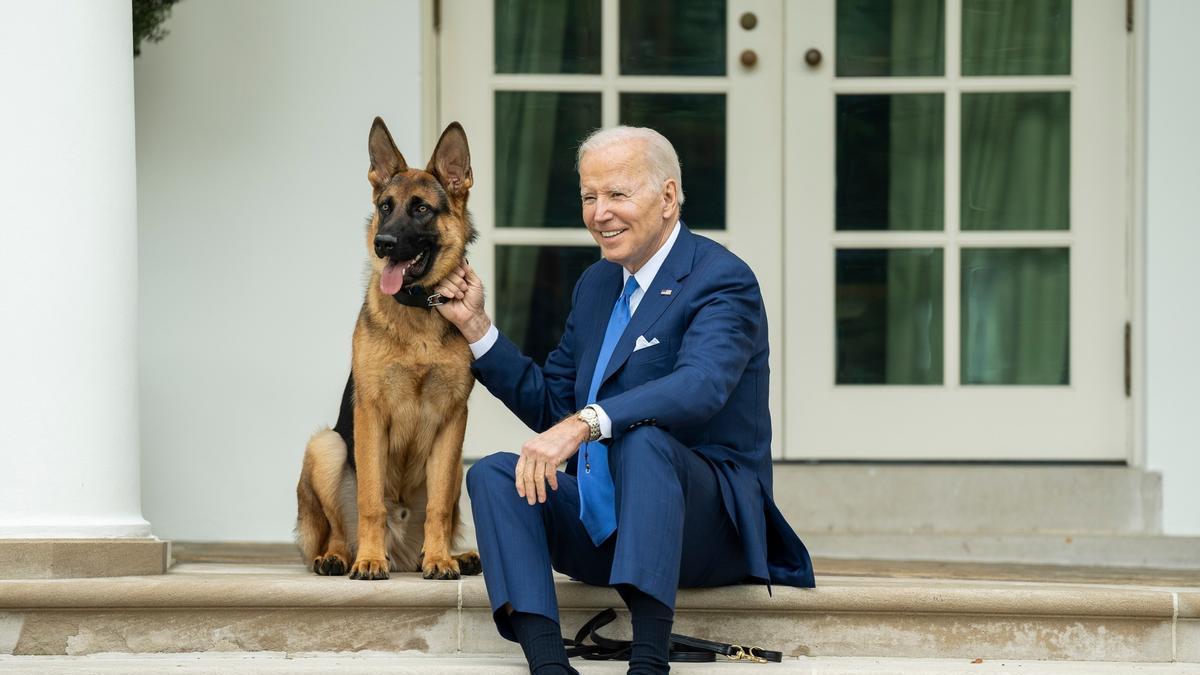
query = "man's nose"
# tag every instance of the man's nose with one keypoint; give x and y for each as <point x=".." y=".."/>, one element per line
<point x="601" y="211"/>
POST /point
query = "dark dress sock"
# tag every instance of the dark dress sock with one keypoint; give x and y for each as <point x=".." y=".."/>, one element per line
<point x="541" y="640"/>
<point x="652" y="622"/>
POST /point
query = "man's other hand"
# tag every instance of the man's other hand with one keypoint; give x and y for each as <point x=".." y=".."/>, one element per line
<point x="541" y="455"/>
<point x="463" y="306"/>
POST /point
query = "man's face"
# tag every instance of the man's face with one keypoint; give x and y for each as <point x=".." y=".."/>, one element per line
<point x="623" y="208"/>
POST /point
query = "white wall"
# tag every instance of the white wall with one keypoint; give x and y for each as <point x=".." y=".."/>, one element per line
<point x="1173" y="250"/>
<point x="252" y="121"/>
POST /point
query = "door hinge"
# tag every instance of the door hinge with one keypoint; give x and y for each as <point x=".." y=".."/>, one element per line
<point x="1128" y="16"/>
<point x="437" y="15"/>
<point x="1128" y="359"/>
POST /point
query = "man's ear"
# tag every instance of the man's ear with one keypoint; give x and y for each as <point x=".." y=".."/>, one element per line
<point x="451" y="161"/>
<point x="386" y="160"/>
<point x="670" y="197"/>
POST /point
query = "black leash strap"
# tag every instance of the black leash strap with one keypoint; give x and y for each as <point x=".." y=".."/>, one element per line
<point x="684" y="648"/>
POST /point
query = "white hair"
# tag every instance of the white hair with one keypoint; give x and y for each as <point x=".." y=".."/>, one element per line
<point x="661" y="161"/>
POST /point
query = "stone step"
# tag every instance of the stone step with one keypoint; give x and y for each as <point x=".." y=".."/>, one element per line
<point x="991" y="498"/>
<point x="335" y="664"/>
<point x="282" y="608"/>
<point x="1129" y="550"/>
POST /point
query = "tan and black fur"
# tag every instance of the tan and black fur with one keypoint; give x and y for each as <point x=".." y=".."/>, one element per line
<point x="385" y="497"/>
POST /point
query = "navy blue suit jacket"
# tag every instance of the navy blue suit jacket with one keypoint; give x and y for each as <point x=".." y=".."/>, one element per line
<point x="705" y="382"/>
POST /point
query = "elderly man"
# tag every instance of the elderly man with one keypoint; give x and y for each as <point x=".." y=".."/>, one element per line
<point x="657" y="394"/>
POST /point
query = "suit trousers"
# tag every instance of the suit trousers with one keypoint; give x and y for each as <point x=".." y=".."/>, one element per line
<point x="672" y="528"/>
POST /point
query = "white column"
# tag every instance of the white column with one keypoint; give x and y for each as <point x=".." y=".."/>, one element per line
<point x="68" y="272"/>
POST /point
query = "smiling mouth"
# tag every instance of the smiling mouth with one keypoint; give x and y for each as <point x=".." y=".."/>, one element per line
<point x="610" y="235"/>
<point x="398" y="274"/>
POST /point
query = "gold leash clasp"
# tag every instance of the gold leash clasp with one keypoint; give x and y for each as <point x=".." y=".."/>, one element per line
<point x="745" y="654"/>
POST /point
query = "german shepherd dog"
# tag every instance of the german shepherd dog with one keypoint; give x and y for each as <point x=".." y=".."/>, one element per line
<point x="381" y="488"/>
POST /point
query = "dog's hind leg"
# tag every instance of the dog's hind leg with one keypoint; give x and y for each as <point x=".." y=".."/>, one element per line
<point x="320" y="525"/>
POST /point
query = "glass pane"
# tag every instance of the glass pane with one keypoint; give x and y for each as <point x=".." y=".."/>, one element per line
<point x="533" y="293"/>
<point x="547" y="36"/>
<point x="1016" y="316"/>
<point x="673" y="37"/>
<point x="890" y="162"/>
<point x="695" y="125"/>
<point x="1016" y="161"/>
<point x="889" y="316"/>
<point x="536" y="137"/>
<point x="1016" y="37"/>
<point x="898" y="38"/>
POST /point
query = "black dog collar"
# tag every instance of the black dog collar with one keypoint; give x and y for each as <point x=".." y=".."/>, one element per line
<point x="417" y="296"/>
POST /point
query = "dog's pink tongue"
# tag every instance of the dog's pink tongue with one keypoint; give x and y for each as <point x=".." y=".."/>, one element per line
<point x="392" y="278"/>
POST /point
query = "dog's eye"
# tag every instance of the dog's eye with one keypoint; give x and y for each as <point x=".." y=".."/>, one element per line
<point x="422" y="209"/>
<point x="385" y="207"/>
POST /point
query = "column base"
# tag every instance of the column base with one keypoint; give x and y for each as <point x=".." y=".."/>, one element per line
<point x="70" y="558"/>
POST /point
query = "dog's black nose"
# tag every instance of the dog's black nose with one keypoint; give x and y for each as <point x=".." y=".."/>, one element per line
<point x="384" y="243"/>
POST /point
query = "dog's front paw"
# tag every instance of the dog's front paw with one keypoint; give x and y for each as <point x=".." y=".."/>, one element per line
<point x="439" y="567"/>
<point x="331" y="565"/>
<point x="468" y="563"/>
<point x="369" y="569"/>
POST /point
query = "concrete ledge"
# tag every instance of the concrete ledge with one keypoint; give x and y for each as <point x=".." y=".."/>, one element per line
<point x="192" y="586"/>
<point x="223" y="608"/>
<point x="991" y="498"/>
<point x="1157" y="551"/>
<point x="371" y="664"/>
<point x="74" y="558"/>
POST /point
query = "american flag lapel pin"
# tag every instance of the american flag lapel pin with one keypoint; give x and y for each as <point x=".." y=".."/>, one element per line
<point x="665" y="291"/>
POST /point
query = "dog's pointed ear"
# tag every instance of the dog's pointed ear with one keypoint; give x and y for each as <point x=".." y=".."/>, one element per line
<point x="451" y="161"/>
<point x="386" y="160"/>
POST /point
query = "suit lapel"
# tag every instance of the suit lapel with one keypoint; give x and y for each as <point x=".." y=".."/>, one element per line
<point x="654" y="303"/>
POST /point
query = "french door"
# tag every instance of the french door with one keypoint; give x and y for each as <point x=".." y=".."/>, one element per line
<point x="932" y="193"/>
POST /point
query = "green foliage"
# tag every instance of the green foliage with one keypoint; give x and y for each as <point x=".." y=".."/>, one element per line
<point x="148" y="16"/>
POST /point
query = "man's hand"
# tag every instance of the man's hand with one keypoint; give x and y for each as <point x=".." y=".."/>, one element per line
<point x="541" y="455"/>
<point x="463" y="292"/>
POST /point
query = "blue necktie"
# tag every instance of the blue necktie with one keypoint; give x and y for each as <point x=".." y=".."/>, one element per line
<point x="596" y="507"/>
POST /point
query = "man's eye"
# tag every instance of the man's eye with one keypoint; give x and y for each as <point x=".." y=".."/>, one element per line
<point x="588" y="199"/>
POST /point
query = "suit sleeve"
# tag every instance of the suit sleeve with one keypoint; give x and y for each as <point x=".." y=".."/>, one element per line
<point x="539" y="395"/>
<point x="716" y="346"/>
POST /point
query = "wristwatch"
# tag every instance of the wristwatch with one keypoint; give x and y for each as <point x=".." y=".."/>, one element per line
<point x="590" y="417"/>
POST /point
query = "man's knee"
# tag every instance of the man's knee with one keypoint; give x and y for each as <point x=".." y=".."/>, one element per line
<point x="496" y="469"/>
<point x="645" y="443"/>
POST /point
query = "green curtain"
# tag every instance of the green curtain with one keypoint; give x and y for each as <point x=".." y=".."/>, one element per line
<point x="525" y="125"/>
<point x="1015" y="176"/>
<point x="916" y="198"/>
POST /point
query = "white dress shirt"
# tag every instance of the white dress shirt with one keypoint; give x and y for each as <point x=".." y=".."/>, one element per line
<point x="645" y="277"/>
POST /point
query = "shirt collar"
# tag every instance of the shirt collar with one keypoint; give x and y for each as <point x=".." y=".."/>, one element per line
<point x="645" y="275"/>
